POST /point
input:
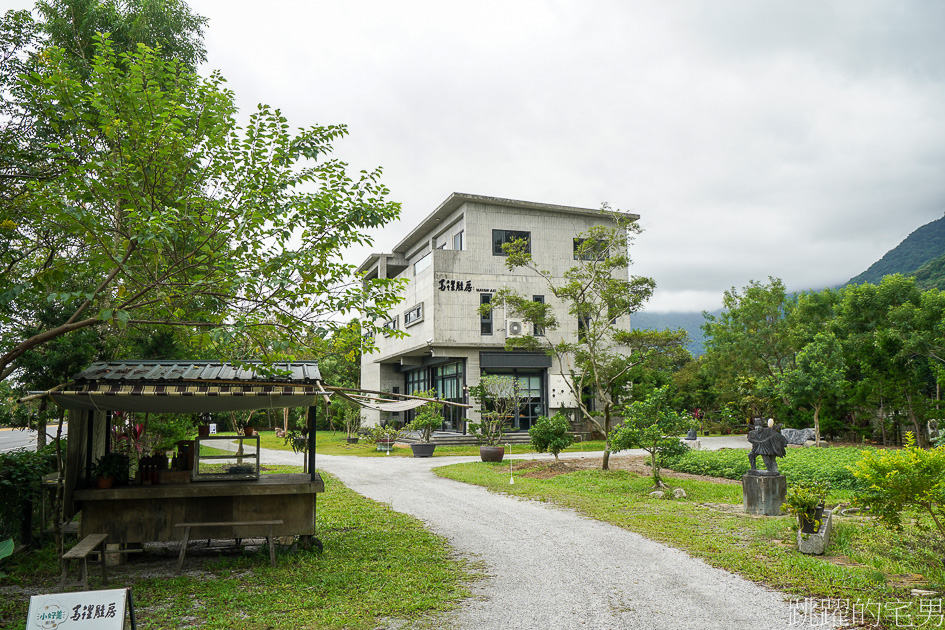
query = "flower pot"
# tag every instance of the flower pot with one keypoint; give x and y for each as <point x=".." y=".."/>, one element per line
<point x="351" y="440"/>
<point x="104" y="483"/>
<point x="203" y="430"/>
<point x="811" y="521"/>
<point x="491" y="453"/>
<point x="249" y="431"/>
<point x="423" y="449"/>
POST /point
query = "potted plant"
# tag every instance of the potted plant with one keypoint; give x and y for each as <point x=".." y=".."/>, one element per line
<point x="805" y="500"/>
<point x="110" y="469"/>
<point x="384" y="437"/>
<point x="351" y="417"/>
<point x="499" y="399"/>
<point x="426" y="420"/>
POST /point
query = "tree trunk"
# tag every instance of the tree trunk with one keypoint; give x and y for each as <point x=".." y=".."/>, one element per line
<point x="817" y="425"/>
<point x="41" y="424"/>
<point x="915" y="422"/>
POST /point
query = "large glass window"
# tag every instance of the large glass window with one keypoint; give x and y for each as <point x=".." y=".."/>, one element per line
<point x="422" y="264"/>
<point x="459" y="240"/>
<point x="531" y="383"/>
<point x="501" y="237"/>
<point x="449" y="381"/>
<point x="485" y="320"/>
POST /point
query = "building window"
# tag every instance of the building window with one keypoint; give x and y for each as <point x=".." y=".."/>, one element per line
<point x="485" y="320"/>
<point x="389" y="325"/>
<point x="459" y="240"/>
<point x="422" y="264"/>
<point x="413" y="315"/>
<point x="539" y="331"/>
<point x="448" y="380"/>
<point x="501" y="237"/>
<point x="585" y="249"/>
<point x="584" y="323"/>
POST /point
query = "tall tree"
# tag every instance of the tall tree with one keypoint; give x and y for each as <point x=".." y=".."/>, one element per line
<point x="182" y="218"/>
<point x="817" y="376"/>
<point x="601" y="357"/>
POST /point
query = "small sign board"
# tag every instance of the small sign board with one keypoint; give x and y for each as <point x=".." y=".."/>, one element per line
<point x="92" y="610"/>
<point x="213" y="428"/>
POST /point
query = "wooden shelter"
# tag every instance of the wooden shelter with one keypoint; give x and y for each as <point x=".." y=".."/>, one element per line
<point x="147" y="513"/>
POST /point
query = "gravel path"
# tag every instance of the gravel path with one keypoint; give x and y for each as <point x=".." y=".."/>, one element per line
<point x="549" y="567"/>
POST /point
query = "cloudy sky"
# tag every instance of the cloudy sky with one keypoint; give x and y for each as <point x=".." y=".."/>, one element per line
<point x="797" y="139"/>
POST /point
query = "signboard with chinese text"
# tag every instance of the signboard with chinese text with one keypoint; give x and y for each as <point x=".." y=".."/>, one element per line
<point x="98" y="610"/>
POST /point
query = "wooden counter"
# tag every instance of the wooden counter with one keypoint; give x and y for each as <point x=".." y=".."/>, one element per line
<point x="137" y="514"/>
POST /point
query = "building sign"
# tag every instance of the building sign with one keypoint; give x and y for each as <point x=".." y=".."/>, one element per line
<point x="445" y="284"/>
<point x="94" y="610"/>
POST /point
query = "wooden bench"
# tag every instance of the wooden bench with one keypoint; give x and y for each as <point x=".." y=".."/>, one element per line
<point x="188" y="526"/>
<point x="93" y="543"/>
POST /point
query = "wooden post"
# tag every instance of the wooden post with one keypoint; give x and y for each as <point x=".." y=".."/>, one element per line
<point x="312" y="421"/>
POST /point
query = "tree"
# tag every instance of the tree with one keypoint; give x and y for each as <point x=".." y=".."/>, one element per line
<point x="601" y="358"/>
<point x="751" y="339"/>
<point x="183" y="218"/>
<point x="818" y="376"/>
<point x="551" y="435"/>
<point x="653" y="425"/>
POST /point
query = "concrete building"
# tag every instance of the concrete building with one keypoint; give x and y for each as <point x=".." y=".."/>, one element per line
<point x="454" y="263"/>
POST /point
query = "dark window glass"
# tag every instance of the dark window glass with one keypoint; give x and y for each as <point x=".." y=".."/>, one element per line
<point x="485" y="321"/>
<point x="584" y="322"/>
<point x="540" y="299"/>
<point x="501" y="237"/>
<point x="594" y="250"/>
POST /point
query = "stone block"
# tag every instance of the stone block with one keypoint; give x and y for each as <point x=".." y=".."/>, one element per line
<point x="816" y="544"/>
<point x="763" y="494"/>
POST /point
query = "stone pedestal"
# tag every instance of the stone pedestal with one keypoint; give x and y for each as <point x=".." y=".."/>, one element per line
<point x="763" y="494"/>
<point x="816" y="544"/>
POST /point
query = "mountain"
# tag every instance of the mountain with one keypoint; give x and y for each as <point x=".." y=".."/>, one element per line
<point x="917" y="253"/>
<point x="931" y="275"/>
<point x="692" y="322"/>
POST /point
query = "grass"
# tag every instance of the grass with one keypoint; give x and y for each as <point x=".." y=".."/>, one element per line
<point x="333" y="443"/>
<point x="870" y="563"/>
<point x="377" y="564"/>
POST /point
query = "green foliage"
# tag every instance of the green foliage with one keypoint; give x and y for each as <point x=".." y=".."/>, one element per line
<point x="653" y="425"/>
<point x="112" y="465"/>
<point x="606" y="353"/>
<point x="804" y="497"/>
<point x="351" y="417"/>
<point x="164" y="212"/>
<point x="427" y="418"/>
<point x="551" y="435"/>
<point x="386" y="433"/>
<point x="799" y="465"/>
<point x="910" y="478"/>
<point x="21" y="473"/>
<point x="931" y="275"/>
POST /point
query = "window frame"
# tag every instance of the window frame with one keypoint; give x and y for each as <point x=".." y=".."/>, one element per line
<point x="486" y="319"/>
<point x="508" y="236"/>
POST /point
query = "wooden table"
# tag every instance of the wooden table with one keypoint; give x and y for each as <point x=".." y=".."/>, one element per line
<point x="139" y="514"/>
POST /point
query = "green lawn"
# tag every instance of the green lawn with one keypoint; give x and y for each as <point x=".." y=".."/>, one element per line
<point x="333" y="443"/>
<point x="376" y="564"/>
<point x="865" y="561"/>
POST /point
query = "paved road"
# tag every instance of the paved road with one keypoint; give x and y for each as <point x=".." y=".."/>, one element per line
<point x="552" y="568"/>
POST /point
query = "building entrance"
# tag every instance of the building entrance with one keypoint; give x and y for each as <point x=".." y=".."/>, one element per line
<point x="532" y="384"/>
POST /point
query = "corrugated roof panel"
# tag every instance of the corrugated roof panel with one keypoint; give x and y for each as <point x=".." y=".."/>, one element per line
<point x="155" y="371"/>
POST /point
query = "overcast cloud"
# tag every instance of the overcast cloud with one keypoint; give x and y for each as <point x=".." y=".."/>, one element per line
<point x="797" y="139"/>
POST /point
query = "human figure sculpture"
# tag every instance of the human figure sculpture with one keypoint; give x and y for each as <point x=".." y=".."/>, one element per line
<point x="768" y="443"/>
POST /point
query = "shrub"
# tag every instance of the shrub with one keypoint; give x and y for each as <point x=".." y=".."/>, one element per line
<point x="428" y="418"/>
<point x="21" y="475"/>
<point x="551" y="435"/>
<point x="908" y="478"/>
<point x="831" y="465"/>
